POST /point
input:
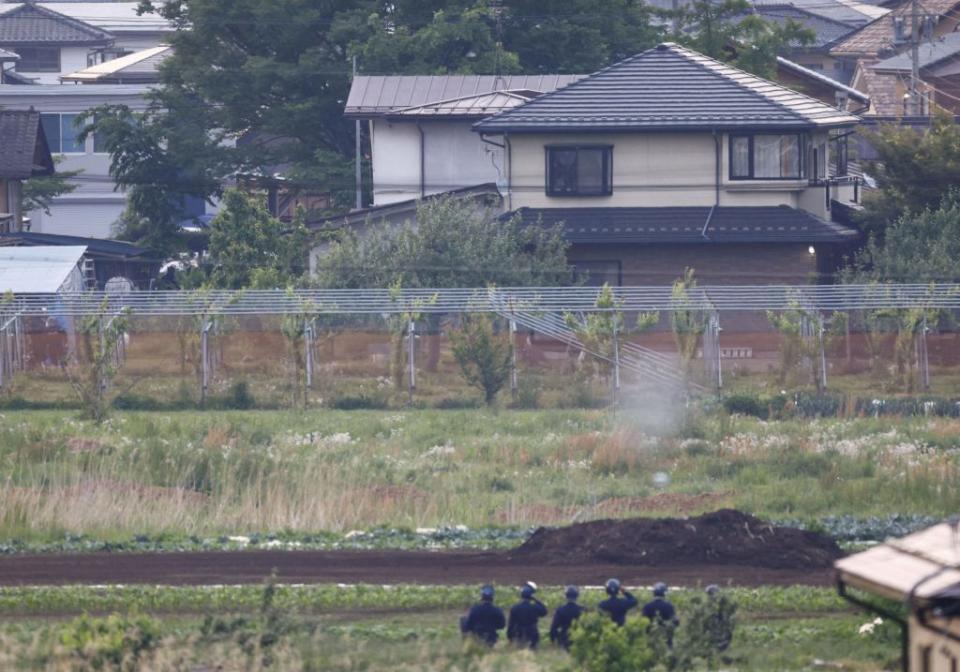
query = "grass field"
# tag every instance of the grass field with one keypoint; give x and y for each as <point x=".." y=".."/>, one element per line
<point x="195" y="473"/>
<point x="404" y="628"/>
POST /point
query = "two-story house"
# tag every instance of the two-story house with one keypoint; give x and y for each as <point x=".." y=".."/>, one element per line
<point x="54" y="46"/>
<point x="671" y="159"/>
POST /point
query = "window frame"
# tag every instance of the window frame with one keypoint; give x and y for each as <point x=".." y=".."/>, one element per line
<point x="18" y="67"/>
<point x="606" y="177"/>
<point x="802" y="141"/>
<point x="58" y="147"/>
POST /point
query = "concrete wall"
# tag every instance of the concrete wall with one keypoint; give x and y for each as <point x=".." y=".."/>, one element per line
<point x="649" y="170"/>
<point x="454" y="157"/>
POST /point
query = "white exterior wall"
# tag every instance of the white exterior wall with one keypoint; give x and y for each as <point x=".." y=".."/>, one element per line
<point x="454" y="157"/>
<point x="95" y="205"/>
<point x="650" y="170"/>
<point x="71" y="60"/>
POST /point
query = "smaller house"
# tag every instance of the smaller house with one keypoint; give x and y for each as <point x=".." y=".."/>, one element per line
<point x="939" y="62"/>
<point x="827" y="32"/>
<point x="105" y="262"/>
<point x="23" y="154"/>
<point x="48" y="42"/>
<point x="921" y="571"/>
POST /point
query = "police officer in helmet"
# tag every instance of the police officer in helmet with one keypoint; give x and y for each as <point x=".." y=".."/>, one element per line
<point x="484" y="619"/>
<point x="564" y="617"/>
<point x="522" y="628"/>
<point x="616" y="606"/>
<point x="661" y="612"/>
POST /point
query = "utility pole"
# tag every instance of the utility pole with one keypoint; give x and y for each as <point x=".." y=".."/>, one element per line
<point x="358" y="167"/>
<point x="916" y="108"/>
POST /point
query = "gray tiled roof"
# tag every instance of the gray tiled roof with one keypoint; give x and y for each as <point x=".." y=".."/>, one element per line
<point x="665" y="88"/>
<point x="769" y="224"/>
<point x="19" y="144"/>
<point x="826" y="31"/>
<point x="32" y="24"/>
<point x="929" y="52"/>
<point x="374" y="95"/>
<point x="854" y="14"/>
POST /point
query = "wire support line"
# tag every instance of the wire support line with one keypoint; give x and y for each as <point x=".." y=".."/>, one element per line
<point x="533" y="300"/>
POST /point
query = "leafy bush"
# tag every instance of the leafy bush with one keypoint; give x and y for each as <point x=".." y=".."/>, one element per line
<point x="597" y="644"/>
<point x="528" y="395"/>
<point x="239" y="397"/>
<point x="457" y="403"/>
<point x="745" y="404"/>
<point x="359" y="402"/>
<point x="111" y="643"/>
<point x="484" y="356"/>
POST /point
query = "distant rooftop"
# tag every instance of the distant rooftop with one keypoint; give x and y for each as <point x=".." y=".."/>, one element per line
<point x="877" y="38"/>
<point x="826" y="30"/>
<point x="378" y="95"/>
<point x="114" y="17"/>
<point x="140" y="66"/>
<point x="668" y="87"/>
<point x="477" y="107"/>
<point x="850" y="12"/>
<point x="30" y="24"/>
<point x="930" y="53"/>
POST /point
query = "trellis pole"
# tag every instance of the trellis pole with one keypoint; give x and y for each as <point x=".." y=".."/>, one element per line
<point x="514" y="386"/>
<point x="308" y="350"/>
<point x="616" y="363"/>
<point x="411" y="358"/>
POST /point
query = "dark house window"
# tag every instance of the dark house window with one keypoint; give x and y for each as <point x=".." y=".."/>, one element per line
<point x="580" y="170"/>
<point x="61" y="132"/>
<point x="766" y="157"/>
<point x="38" y="59"/>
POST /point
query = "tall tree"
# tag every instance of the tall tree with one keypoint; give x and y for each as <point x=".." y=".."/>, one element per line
<point x="914" y="170"/>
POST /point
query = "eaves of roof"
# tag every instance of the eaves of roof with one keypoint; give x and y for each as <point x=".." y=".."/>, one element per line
<point x="685" y="225"/>
<point x="822" y="78"/>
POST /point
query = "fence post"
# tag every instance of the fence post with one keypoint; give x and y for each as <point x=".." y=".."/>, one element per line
<point x="411" y="357"/>
<point x="204" y="361"/>
<point x="308" y="351"/>
<point x="823" y="352"/>
<point x="924" y="356"/>
<point x="616" y="363"/>
<point x="715" y="321"/>
<point x="513" y="360"/>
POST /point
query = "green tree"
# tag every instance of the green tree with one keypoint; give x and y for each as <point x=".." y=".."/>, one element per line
<point x="597" y="644"/>
<point x="251" y="248"/>
<point x="920" y="245"/>
<point x="728" y="31"/>
<point x="914" y="170"/>
<point x="485" y="356"/>
<point x="454" y="243"/>
<point x="91" y="370"/>
<point x="39" y="192"/>
<point x="687" y="319"/>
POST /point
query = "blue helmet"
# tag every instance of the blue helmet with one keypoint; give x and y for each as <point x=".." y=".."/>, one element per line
<point x="528" y="590"/>
<point x="571" y="593"/>
<point x="659" y="589"/>
<point x="613" y="586"/>
<point x="486" y="593"/>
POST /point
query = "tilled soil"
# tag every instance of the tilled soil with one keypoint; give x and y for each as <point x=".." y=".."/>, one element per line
<point x="373" y="567"/>
<point x="725" y="537"/>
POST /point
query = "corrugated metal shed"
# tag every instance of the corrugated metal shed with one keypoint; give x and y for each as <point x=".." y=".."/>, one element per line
<point x="39" y="270"/>
<point x="372" y="96"/>
<point x="668" y="88"/>
<point x="927" y="562"/>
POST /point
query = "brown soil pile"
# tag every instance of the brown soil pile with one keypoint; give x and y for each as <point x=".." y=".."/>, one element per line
<point x="725" y="537"/>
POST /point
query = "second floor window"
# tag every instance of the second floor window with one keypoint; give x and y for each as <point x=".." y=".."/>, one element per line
<point x="580" y="170"/>
<point x="38" y="59"/>
<point x="61" y="133"/>
<point x="766" y="157"/>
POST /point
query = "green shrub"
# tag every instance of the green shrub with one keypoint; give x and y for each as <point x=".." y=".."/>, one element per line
<point x="359" y="402"/>
<point x="745" y="404"/>
<point x="457" y="403"/>
<point x="528" y="395"/>
<point x="239" y="397"/>
<point x="112" y="643"/>
<point x="597" y="644"/>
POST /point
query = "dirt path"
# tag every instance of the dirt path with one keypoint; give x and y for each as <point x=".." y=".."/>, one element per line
<point x="376" y="567"/>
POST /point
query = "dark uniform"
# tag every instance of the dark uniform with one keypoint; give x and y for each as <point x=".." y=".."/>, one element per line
<point x="618" y="607"/>
<point x="563" y="618"/>
<point x="523" y="622"/>
<point x="483" y="620"/>
<point x="659" y="609"/>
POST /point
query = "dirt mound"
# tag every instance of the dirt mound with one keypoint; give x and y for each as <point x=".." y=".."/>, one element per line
<point x="725" y="537"/>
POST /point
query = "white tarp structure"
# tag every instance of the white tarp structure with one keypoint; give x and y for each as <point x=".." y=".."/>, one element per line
<point x="41" y="270"/>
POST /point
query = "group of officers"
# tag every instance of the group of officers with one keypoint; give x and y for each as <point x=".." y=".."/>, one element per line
<point x="485" y="620"/>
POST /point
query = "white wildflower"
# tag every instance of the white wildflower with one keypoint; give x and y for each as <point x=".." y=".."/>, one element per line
<point x="868" y="628"/>
<point x="243" y="541"/>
